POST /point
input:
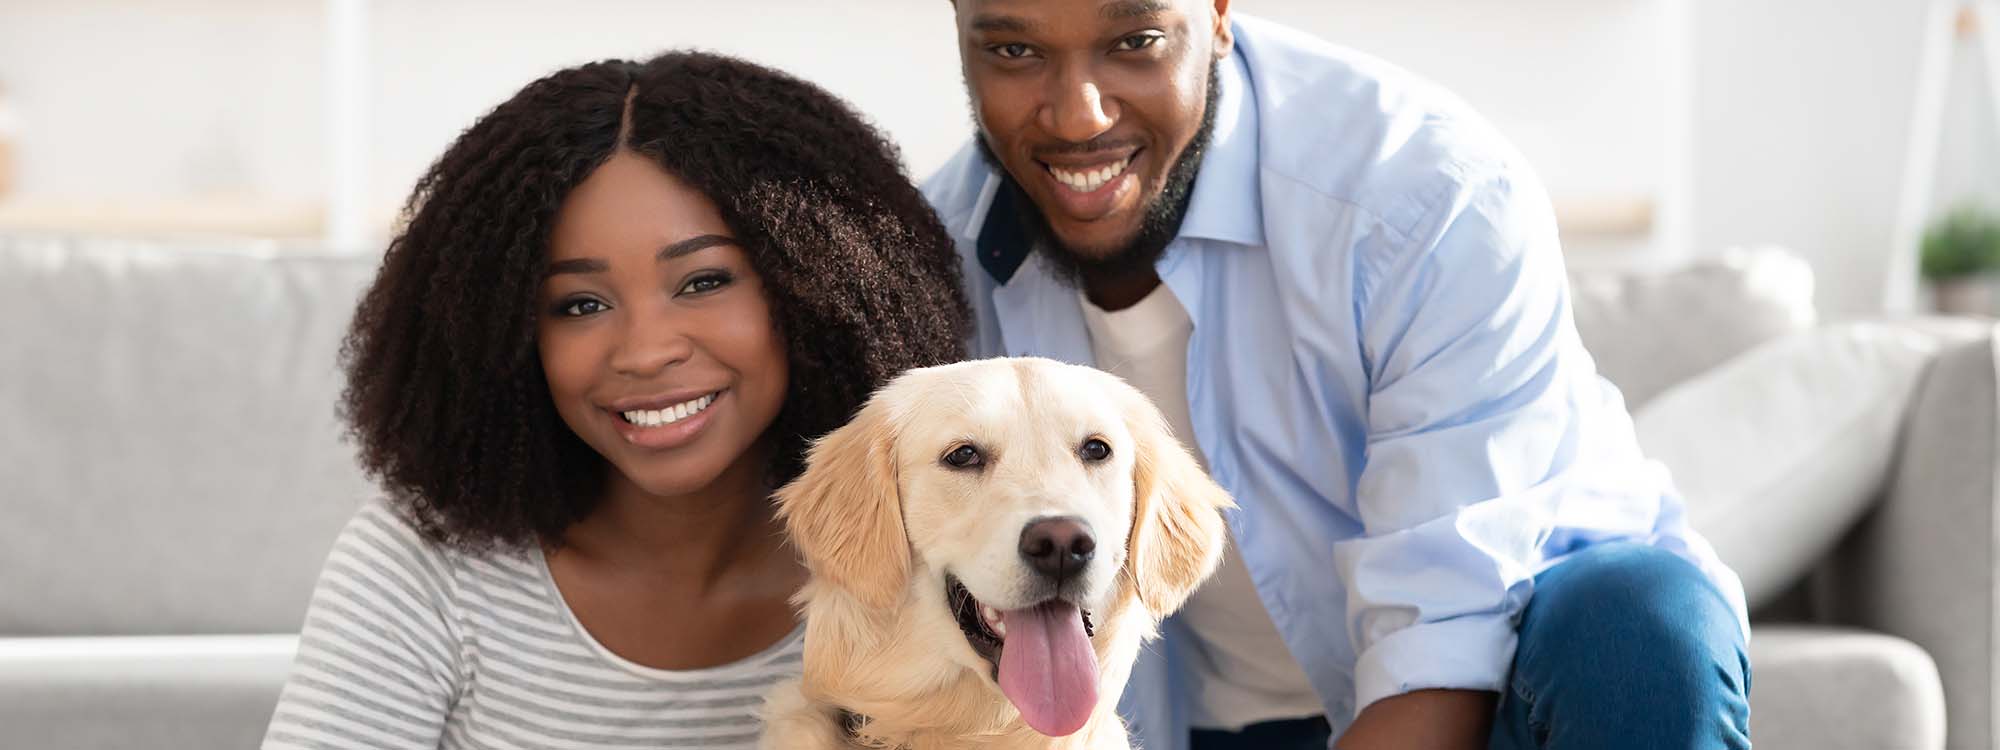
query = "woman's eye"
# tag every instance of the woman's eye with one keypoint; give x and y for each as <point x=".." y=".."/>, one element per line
<point x="1012" y="51"/>
<point x="1139" y="41"/>
<point x="964" y="457"/>
<point x="707" y="282"/>
<point x="1094" y="450"/>
<point x="578" y="308"/>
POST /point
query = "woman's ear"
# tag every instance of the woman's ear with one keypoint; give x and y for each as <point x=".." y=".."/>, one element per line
<point x="845" y="513"/>
<point x="1177" y="528"/>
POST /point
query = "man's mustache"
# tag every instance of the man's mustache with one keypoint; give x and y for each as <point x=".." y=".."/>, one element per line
<point x="1092" y="146"/>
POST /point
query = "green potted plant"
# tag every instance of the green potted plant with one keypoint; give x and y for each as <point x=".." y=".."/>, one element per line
<point x="1961" y="256"/>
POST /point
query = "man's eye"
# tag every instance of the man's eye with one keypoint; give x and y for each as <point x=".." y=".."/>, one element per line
<point x="578" y="308"/>
<point x="1012" y="51"/>
<point x="1139" y="41"/>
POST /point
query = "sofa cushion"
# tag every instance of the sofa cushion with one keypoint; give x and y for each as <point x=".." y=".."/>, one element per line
<point x="123" y="692"/>
<point x="1817" y="688"/>
<point x="173" y="459"/>
<point x="1779" y="451"/>
<point x="1649" y="330"/>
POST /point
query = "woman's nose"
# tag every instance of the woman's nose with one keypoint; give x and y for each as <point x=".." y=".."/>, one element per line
<point x="649" y="345"/>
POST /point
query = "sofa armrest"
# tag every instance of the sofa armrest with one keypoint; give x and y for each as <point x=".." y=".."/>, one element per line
<point x="1922" y="565"/>
<point x="141" y="692"/>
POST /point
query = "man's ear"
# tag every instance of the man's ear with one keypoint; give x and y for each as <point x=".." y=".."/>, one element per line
<point x="845" y="512"/>
<point x="1225" y="37"/>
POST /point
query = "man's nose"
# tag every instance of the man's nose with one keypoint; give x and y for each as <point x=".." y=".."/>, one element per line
<point x="1077" y="109"/>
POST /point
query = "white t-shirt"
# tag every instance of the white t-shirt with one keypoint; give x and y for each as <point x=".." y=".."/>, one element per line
<point x="1242" y="671"/>
<point x="409" y="645"/>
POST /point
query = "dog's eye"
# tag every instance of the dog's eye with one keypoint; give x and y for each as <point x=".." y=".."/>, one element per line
<point x="1094" y="450"/>
<point x="964" y="457"/>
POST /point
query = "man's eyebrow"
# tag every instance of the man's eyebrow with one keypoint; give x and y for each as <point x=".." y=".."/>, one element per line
<point x="1129" y="9"/>
<point x="991" y="23"/>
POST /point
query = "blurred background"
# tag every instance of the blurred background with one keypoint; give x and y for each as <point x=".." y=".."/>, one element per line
<point x="1665" y="128"/>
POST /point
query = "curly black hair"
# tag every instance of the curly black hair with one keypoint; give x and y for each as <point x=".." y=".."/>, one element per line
<point x="445" y="392"/>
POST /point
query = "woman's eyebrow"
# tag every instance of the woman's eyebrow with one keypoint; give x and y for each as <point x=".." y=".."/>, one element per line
<point x="577" y="265"/>
<point x="692" y="244"/>
<point x="675" y="250"/>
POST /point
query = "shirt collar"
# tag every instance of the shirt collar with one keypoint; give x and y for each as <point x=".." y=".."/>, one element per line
<point x="1227" y="204"/>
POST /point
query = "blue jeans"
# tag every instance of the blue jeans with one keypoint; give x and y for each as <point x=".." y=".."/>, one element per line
<point x="1622" y="646"/>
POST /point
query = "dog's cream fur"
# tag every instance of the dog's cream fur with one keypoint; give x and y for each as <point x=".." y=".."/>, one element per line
<point x="880" y="519"/>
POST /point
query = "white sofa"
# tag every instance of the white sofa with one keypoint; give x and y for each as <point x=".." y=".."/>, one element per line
<point x="172" y="474"/>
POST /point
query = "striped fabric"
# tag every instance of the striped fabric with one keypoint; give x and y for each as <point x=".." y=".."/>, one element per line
<point x="409" y="645"/>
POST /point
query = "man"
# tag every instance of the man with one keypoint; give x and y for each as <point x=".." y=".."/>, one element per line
<point x="1346" y="292"/>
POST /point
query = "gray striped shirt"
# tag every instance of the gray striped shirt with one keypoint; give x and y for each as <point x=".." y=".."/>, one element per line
<point x="411" y="645"/>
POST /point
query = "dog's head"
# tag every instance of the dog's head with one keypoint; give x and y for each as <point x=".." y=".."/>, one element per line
<point x="1019" y="498"/>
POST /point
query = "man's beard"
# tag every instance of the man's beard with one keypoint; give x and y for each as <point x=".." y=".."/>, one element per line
<point x="1158" y="225"/>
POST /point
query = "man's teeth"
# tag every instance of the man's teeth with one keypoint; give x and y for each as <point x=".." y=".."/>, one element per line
<point x="1090" y="180"/>
<point x="669" y="415"/>
<point x="994" y="622"/>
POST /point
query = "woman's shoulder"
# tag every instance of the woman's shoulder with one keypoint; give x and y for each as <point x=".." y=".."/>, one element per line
<point x="383" y="531"/>
<point x="384" y="545"/>
<point x="384" y="549"/>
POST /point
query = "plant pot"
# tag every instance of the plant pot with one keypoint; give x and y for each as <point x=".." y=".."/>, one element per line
<point x="1965" y="295"/>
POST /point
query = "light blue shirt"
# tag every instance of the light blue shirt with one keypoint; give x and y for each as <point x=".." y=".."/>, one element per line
<point x="1383" y="372"/>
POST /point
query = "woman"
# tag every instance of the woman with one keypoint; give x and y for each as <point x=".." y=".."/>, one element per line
<point x="622" y="304"/>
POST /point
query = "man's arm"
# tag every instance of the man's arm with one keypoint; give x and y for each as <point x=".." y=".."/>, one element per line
<point x="1477" y="393"/>
<point x="1443" y="719"/>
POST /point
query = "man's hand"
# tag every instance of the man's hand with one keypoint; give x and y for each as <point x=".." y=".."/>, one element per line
<point x="1443" y="719"/>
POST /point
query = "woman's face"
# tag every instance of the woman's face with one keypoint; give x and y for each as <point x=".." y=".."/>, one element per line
<point x="655" y="335"/>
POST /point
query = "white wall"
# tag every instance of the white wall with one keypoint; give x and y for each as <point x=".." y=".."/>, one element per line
<point x="1579" y="85"/>
<point x="164" y="98"/>
<point x="1971" y="142"/>
<point x="1799" y="106"/>
<point x="1802" y="121"/>
<point x="225" y="93"/>
<point x="1591" y="128"/>
<point x="442" y="63"/>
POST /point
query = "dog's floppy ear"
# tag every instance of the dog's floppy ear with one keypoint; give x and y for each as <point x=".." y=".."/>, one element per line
<point x="1177" y="527"/>
<point x="845" y="513"/>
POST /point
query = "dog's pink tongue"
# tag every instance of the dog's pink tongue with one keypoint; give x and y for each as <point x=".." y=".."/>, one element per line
<point x="1048" y="669"/>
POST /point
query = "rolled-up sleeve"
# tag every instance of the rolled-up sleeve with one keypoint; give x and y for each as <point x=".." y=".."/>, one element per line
<point x="1472" y="425"/>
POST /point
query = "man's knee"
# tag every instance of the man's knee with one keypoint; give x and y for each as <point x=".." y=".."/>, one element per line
<point x="1631" y="590"/>
<point x="1641" y="617"/>
<point x="1631" y="646"/>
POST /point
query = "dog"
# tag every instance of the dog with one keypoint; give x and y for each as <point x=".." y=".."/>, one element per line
<point x="989" y="543"/>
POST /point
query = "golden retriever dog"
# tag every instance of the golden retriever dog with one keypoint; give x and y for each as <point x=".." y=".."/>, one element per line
<point x="989" y="543"/>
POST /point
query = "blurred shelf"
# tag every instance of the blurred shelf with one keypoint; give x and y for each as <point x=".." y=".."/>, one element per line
<point x="214" y="215"/>
<point x="1606" y="216"/>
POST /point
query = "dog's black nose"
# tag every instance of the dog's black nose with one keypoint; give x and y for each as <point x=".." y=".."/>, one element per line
<point x="1057" y="547"/>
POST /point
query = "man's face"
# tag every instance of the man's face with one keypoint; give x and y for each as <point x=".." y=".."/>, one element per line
<point x="1089" y="105"/>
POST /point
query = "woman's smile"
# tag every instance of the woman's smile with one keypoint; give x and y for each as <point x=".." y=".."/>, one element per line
<point x="664" y="423"/>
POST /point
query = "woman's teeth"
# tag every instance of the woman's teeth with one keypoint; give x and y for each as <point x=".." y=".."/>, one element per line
<point x="668" y="415"/>
<point x="1091" y="179"/>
